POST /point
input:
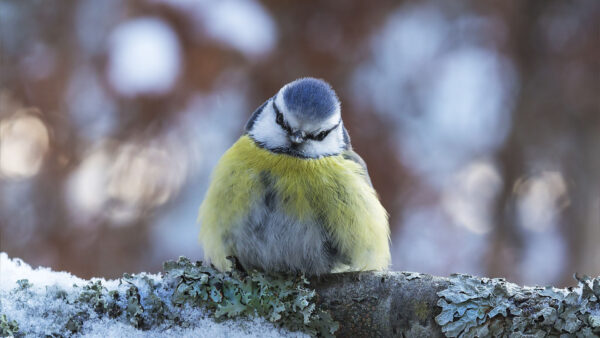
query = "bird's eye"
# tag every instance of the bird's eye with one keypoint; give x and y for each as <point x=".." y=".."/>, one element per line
<point x="280" y="121"/>
<point x="320" y="136"/>
<point x="278" y="115"/>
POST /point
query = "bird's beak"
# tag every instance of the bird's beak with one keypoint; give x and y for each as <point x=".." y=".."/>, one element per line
<point x="298" y="137"/>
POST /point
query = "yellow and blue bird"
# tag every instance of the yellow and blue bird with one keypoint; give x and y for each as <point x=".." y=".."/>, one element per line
<point x="291" y="196"/>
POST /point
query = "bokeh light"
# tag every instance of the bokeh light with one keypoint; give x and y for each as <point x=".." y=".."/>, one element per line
<point x="479" y="123"/>
<point x="144" y="57"/>
<point x="24" y="142"/>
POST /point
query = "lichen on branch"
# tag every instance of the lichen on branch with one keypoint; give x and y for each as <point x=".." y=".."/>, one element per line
<point x="191" y="296"/>
<point x="482" y="307"/>
<point x="286" y="300"/>
<point x="149" y="302"/>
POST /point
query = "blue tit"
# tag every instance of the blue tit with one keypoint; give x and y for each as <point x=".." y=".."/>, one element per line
<point x="291" y="196"/>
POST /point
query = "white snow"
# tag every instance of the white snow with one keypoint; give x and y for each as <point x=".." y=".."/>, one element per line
<point x="37" y="310"/>
<point x="144" y="57"/>
<point x="206" y="328"/>
<point x="12" y="270"/>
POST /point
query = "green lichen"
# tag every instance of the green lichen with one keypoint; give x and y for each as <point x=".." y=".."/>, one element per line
<point x="8" y="328"/>
<point x="145" y="303"/>
<point x="285" y="300"/>
<point x="474" y="307"/>
<point x="412" y="275"/>
<point x="24" y="284"/>
<point x="75" y="322"/>
<point x="142" y="310"/>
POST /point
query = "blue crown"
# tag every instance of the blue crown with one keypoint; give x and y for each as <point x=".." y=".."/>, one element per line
<point x="310" y="98"/>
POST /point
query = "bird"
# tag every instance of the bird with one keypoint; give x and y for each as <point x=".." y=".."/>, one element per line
<point x="291" y="196"/>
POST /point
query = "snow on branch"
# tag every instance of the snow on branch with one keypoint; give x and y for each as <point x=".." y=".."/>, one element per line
<point x="189" y="299"/>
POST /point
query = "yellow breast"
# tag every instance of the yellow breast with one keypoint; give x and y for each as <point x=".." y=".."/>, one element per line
<point x="331" y="187"/>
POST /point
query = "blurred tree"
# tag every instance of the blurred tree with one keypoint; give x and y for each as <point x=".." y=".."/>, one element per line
<point x="121" y="161"/>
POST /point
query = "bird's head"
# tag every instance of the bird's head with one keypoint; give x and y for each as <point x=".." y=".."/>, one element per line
<point x="303" y="119"/>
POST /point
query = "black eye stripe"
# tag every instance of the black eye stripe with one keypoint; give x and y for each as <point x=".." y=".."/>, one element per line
<point x="279" y="119"/>
<point x="320" y="136"/>
<point x="315" y="137"/>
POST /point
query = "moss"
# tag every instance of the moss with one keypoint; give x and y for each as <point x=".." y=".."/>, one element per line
<point x="285" y="300"/>
<point x="145" y="303"/>
<point x="473" y="307"/>
<point x="75" y="322"/>
<point x="8" y="328"/>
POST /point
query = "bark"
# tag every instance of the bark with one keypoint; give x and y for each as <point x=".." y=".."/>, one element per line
<point x="390" y="304"/>
<point x="400" y="304"/>
<point x="358" y="304"/>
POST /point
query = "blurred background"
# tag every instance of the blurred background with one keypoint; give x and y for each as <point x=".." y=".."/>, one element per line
<point x="480" y="123"/>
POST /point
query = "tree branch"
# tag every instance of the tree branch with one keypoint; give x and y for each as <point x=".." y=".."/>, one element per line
<point x="383" y="304"/>
<point x="395" y="304"/>
<point x="360" y="304"/>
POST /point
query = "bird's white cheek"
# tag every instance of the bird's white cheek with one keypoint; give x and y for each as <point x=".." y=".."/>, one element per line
<point x="332" y="144"/>
<point x="266" y="131"/>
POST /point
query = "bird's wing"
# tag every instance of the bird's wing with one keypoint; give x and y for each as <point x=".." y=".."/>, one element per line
<point x="351" y="155"/>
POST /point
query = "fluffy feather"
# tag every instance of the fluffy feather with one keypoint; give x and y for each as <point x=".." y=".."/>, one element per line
<point x="331" y="192"/>
<point x="308" y="105"/>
